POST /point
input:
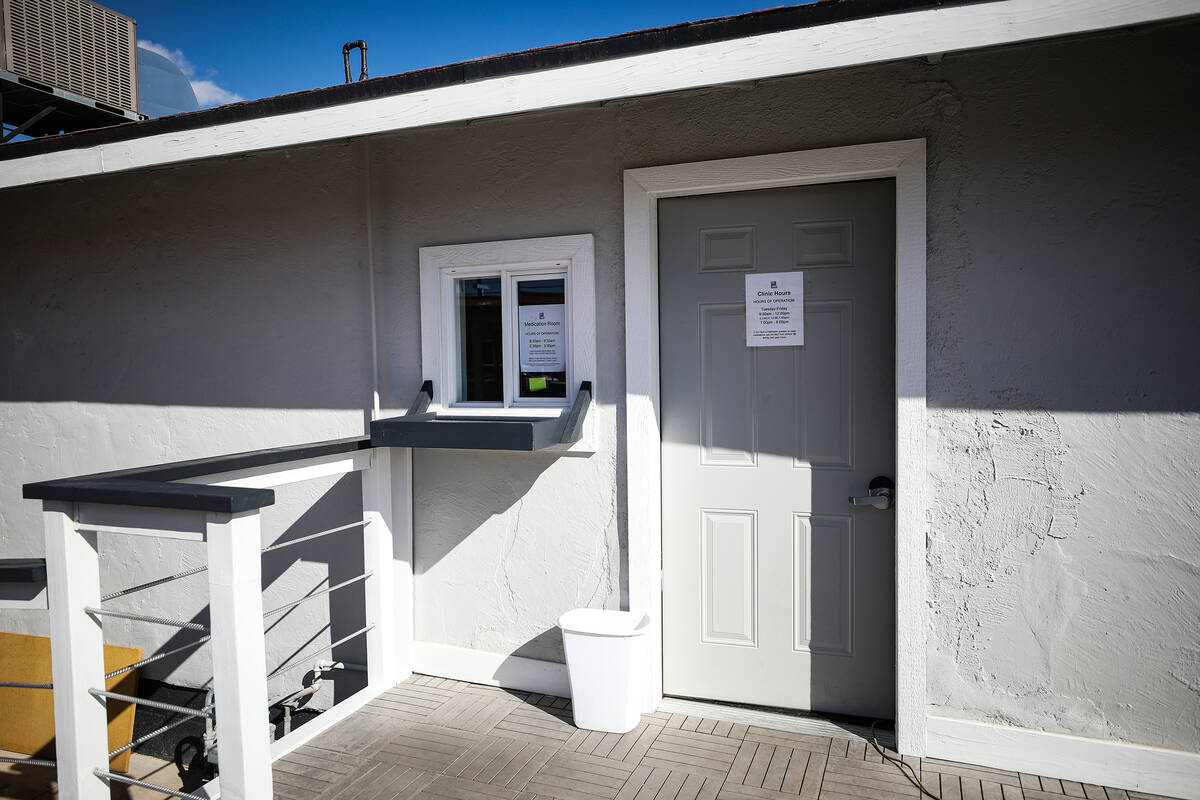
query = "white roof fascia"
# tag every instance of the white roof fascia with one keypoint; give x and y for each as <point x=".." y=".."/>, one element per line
<point x="821" y="47"/>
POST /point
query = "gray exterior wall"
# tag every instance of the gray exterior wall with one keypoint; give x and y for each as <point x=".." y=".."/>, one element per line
<point x="1064" y="434"/>
<point x="178" y="314"/>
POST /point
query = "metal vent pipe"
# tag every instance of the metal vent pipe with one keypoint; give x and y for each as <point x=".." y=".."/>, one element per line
<point x="362" y="49"/>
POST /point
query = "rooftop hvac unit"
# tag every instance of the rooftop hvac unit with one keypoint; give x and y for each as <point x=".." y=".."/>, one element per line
<point x="75" y="50"/>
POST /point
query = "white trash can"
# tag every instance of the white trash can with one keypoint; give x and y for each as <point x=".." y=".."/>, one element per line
<point x="604" y="662"/>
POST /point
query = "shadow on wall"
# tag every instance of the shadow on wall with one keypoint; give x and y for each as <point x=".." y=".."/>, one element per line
<point x="217" y="285"/>
<point x="460" y="491"/>
<point x="342" y="553"/>
<point x="536" y="648"/>
<point x="520" y="563"/>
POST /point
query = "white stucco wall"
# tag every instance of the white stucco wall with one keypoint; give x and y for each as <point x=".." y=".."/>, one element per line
<point x="1064" y="436"/>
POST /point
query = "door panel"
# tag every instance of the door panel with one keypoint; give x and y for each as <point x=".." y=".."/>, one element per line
<point x="729" y="577"/>
<point x="776" y="591"/>
<point x="728" y="412"/>
<point x="823" y="421"/>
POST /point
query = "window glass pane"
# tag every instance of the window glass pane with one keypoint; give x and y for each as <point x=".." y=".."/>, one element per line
<point x="480" y="340"/>
<point x="542" y="338"/>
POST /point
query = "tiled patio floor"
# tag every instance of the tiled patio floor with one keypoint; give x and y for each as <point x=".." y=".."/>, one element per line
<point x="438" y="739"/>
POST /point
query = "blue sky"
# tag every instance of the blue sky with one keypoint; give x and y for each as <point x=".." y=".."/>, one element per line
<point x="246" y="50"/>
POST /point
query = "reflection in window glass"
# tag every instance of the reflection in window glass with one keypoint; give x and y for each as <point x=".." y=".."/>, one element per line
<point x="542" y="338"/>
<point x="480" y="340"/>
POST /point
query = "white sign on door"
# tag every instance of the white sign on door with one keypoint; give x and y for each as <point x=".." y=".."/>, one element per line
<point x="775" y="309"/>
<point x="543" y="338"/>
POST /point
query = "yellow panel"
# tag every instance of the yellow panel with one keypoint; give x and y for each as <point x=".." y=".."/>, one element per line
<point x="27" y="715"/>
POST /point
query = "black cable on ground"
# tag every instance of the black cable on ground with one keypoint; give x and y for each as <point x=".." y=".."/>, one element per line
<point x="913" y="778"/>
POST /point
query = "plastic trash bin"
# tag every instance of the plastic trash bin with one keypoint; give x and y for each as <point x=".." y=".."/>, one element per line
<point x="604" y="665"/>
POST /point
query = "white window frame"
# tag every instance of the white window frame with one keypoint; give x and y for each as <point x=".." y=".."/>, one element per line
<point x="573" y="257"/>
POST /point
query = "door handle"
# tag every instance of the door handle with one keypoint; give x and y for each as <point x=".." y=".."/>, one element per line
<point x="879" y="494"/>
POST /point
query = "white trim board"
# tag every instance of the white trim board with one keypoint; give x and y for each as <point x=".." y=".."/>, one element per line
<point x="821" y="47"/>
<point x="491" y="669"/>
<point x="905" y="162"/>
<point x="1154" y="770"/>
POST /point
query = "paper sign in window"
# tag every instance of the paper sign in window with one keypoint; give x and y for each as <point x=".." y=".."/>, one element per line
<point x="543" y="338"/>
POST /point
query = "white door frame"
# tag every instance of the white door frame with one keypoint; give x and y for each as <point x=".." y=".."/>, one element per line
<point x="905" y="162"/>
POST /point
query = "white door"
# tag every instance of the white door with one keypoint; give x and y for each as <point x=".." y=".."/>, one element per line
<point x="776" y="590"/>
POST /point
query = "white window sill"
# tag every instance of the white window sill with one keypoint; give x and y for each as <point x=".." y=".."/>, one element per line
<point x="538" y="412"/>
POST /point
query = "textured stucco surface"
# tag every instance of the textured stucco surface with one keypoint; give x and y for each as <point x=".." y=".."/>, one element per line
<point x="1064" y="433"/>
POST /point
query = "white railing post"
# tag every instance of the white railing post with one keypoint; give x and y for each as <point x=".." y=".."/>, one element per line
<point x="76" y="654"/>
<point x="384" y="664"/>
<point x="239" y="655"/>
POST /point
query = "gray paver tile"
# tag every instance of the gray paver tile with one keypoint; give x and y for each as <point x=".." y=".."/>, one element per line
<point x="973" y="771"/>
<point x="1030" y="781"/>
<point x="1010" y="792"/>
<point x="441" y="739"/>
<point x="361" y="735"/>
<point x="538" y="724"/>
<point x="575" y="776"/>
<point x="633" y="746"/>
<point x="384" y="782"/>
<point x="862" y="770"/>
<point x="426" y="747"/>
<point x="298" y="784"/>
<point x="991" y="790"/>
<point x="814" y="775"/>
<point x="451" y="788"/>
<point x="1051" y="785"/>
<point x="757" y="770"/>
<point x="477" y="712"/>
<point x="687" y="751"/>
<point x="802" y="741"/>
<point x="829" y="793"/>
<point x="644" y="783"/>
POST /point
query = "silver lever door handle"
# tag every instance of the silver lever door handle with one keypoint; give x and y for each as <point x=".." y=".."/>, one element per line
<point x="879" y="494"/>
<point x="879" y="498"/>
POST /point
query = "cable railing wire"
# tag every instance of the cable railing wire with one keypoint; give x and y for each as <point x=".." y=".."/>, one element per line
<point x="300" y="660"/>
<point x="177" y="623"/>
<point x="321" y="593"/>
<point x="149" y="736"/>
<point x="207" y="711"/>
<point x="156" y="657"/>
<point x="32" y="762"/>
<point x="202" y="568"/>
<point x="112" y="776"/>
<point x="153" y="583"/>
<point x="23" y="685"/>
<point x="290" y="542"/>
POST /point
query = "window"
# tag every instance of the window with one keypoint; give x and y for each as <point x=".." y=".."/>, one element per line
<point x="508" y="327"/>
<point x="510" y="335"/>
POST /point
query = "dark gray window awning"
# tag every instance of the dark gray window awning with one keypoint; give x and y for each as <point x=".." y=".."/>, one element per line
<point x="423" y="428"/>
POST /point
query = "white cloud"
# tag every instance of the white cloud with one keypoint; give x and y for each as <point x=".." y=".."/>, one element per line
<point x="208" y="93"/>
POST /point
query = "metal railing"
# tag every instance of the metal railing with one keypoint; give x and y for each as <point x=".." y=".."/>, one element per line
<point x="216" y="501"/>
